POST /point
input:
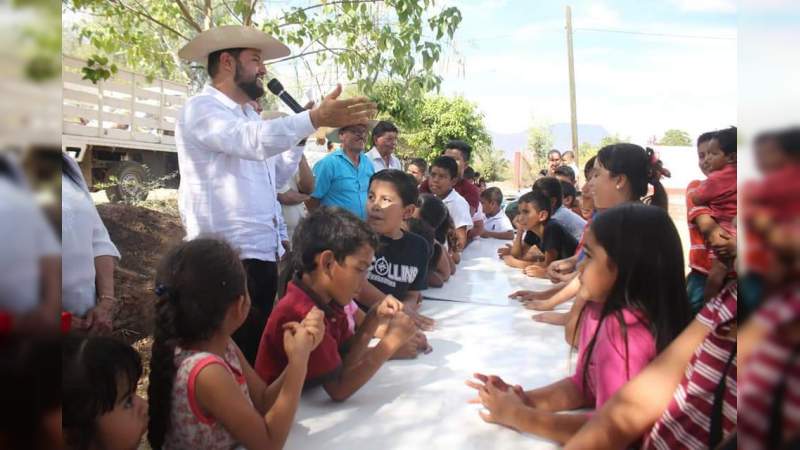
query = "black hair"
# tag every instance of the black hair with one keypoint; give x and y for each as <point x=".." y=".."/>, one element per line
<point x="493" y="194"/>
<point x="555" y="150"/>
<point x="539" y="199"/>
<point x="404" y="184"/>
<point x="433" y="211"/>
<point x="213" y="59"/>
<point x="640" y="166"/>
<point x="705" y="137"/>
<point x="329" y="145"/>
<point x="329" y="228"/>
<point x="447" y="163"/>
<point x="92" y="368"/>
<point x="419" y="162"/>
<point x="644" y="246"/>
<point x="382" y="128"/>
<point x="552" y="188"/>
<point x="565" y="171"/>
<point x="196" y="282"/>
<point x="29" y="387"/>
<point x="568" y="152"/>
<point x="789" y="141"/>
<point x="461" y="146"/>
<point x="727" y="140"/>
<point x="568" y="190"/>
<point x="421" y="228"/>
<point x="470" y="174"/>
<point x="588" y="167"/>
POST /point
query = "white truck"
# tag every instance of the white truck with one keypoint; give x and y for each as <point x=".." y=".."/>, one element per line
<point x="121" y="130"/>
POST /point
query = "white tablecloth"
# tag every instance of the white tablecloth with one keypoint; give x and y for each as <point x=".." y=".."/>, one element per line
<point x="422" y="403"/>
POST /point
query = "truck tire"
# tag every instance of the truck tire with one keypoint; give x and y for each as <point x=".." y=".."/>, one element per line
<point x="131" y="178"/>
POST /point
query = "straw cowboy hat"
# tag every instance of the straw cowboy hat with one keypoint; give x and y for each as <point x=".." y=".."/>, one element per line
<point x="332" y="134"/>
<point x="232" y="36"/>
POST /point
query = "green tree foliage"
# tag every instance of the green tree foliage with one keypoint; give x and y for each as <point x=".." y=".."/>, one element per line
<point x="440" y="119"/>
<point x="491" y="163"/>
<point x="397" y="40"/>
<point x="677" y="138"/>
<point x="540" y="142"/>
<point x="613" y="139"/>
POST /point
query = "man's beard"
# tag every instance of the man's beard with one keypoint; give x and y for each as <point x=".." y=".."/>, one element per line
<point x="251" y="87"/>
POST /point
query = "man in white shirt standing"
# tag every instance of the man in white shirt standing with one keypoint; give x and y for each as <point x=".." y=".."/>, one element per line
<point x="384" y="140"/>
<point x="231" y="161"/>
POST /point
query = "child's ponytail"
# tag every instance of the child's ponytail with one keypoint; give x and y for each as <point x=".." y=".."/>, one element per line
<point x="654" y="174"/>
<point x="162" y="369"/>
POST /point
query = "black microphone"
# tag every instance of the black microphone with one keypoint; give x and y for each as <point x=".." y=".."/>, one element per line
<point x="276" y="88"/>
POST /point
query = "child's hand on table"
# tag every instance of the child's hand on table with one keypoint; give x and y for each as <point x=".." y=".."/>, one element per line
<point x="503" y="251"/>
<point x="388" y="308"/>
<point x="297" y="341"/>
<point x="401" y="329"/>
<point x="500" y="404"/>
<point x="497" y="382"/>
<point x="314" y="323"/>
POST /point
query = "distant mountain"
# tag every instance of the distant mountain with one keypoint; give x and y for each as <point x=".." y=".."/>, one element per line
<point x="512" y="142"/>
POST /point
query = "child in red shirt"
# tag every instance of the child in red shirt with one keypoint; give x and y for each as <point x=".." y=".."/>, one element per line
<point x="333" y="251"/>
<point x="718" y="194"/>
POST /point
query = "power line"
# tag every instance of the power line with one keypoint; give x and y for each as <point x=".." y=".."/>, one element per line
<point x="643" y="33"/>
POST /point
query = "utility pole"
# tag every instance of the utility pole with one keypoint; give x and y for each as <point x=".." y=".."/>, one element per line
<point x="572" y="102"/>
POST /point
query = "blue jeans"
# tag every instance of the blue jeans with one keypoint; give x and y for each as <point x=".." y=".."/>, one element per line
<point x="695" y="284"/>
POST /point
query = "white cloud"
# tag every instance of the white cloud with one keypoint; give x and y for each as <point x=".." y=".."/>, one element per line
<point x="715" y="6"/>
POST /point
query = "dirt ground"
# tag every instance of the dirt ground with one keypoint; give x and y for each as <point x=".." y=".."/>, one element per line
<point x="142" y="234"/>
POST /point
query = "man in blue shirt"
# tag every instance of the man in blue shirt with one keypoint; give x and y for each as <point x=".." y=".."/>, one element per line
<point x="342" y="177"/>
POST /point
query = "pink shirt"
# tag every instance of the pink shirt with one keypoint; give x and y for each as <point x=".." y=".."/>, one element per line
<point x="609" y="369"/>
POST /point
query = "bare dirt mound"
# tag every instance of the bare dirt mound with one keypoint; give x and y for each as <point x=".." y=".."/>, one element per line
<point x="142" y="234"/>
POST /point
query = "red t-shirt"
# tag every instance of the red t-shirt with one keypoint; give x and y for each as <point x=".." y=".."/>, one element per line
<point x="699" y="257"/>
<point x="325" y="360"/>
<point x="718" y="192"/>
<point x="469" y="191"/>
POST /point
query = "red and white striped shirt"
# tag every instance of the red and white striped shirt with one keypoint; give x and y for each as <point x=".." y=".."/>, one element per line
<point x="686" y="422"/>
<point x="772" y="375"/>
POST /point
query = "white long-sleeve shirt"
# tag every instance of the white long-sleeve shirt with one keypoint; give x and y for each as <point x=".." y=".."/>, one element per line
<point x="83" y="238"/>
<point x="231" y="161"/>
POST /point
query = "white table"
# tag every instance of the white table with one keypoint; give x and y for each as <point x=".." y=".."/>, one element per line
<point x="422" y="404"/>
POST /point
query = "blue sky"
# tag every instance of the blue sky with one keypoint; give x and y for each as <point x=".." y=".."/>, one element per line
<point x="510" y="58"/>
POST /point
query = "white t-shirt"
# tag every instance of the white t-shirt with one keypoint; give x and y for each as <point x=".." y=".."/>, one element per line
<point x="498" y="222"/>
<point x="27" y="238"/>
<point x="459" y="210"/>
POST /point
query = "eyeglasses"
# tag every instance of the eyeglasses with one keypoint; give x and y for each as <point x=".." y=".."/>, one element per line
<point x="356" y="131"/>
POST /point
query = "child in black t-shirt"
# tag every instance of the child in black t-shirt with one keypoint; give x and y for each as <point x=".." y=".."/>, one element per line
<point x="539" y="240"/>
<point x="400" y="267"/>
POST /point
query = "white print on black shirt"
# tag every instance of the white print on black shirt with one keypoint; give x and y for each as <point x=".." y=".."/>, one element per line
<point x="389" y="274"/>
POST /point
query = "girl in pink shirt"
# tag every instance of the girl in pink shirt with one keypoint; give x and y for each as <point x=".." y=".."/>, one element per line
<point x="633" y="278"/>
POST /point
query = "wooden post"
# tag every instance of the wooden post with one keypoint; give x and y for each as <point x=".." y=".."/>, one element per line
<point x="573" y="106"/>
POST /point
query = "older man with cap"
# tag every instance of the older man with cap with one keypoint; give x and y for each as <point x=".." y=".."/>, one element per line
<point x="342" y="178"/>
<point x="228" y="185"/>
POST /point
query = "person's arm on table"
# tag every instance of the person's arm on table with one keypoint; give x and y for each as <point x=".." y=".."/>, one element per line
<point x="567" y="293"/>
<point x="361" y="362"/>
<point x="534" y="411"/>
<point x="475" y="231"/>
<point x="634" y="409"/>
<point x="505" y="235"/>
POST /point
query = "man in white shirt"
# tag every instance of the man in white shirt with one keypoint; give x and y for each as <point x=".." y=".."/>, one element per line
<point x="231" y="161"/>
<point x="384" y="140"/>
